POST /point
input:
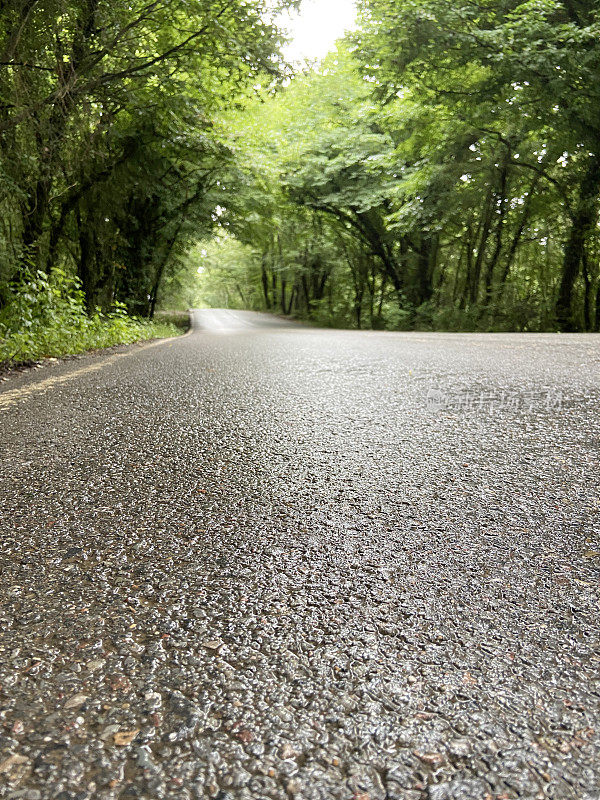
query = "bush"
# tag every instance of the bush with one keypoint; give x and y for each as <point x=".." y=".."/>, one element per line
<point x="180" y="319"/>
<point x="45" y="316"/>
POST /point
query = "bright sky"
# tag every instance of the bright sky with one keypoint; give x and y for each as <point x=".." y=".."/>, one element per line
<point x="319" y="24"/>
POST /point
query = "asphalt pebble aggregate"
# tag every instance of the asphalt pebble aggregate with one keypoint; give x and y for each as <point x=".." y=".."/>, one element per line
<point x="266" y="564"/>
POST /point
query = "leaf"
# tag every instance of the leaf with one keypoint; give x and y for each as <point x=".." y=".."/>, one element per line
<point x="12" y="761"/>
<point x="76" y="701"/>
<point x="431" y="759"/>
<point x="213" y="644"/>
<point x="123" y="738"/>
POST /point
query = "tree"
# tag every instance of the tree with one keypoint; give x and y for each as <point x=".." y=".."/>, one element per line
<point x="486" y="62"/>
<point x="106" y="145"/>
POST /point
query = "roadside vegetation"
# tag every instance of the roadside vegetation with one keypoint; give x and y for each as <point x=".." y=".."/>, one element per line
<point x="47" y="317"/>
<point x="440" y="170"/>
<point x="109" y="157"/>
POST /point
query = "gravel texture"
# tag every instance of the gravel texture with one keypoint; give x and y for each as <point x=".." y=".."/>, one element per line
<point x="266" y="561"/>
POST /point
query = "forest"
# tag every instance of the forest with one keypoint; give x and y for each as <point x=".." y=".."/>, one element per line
<point x="439" y="170"/>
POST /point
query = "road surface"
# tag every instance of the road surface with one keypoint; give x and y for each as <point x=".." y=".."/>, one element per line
<point x="269" y="561"/>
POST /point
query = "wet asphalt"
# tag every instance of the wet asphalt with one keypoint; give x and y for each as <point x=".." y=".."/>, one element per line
<point x="268" y="561"/>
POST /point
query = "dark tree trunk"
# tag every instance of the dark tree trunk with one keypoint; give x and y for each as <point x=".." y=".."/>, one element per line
<point x="292" y="299"/>
<point x="34" y="218"/>
<point x="582" y="224"/>
<point x="305" y="292"/>
<point x="283" y="292"/>
<point x="471" y="237"/>
<point x="161" y="270"/>
<point x="358" y="298"/>
<point x="457" y="271"/>
<point x="518" y="235"/>
<point x="321" y="284"/>
<point x="241" y="294"/>
<point x="427" y="259"/>
<point x="381" y="249"/>
<point x="49" y="145"/>
<point x="486" y="224"/>
<point x="77" y="193"/>
<point x="501" y="199"/>
<point x="382" y="295"/>
<point x="86" y="266"/>
<point x="587" y="300"/>
<point x="13" y="37"/>
<point x="265" y="282"/>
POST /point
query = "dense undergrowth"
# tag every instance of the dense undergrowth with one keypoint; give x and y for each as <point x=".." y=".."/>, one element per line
<point x="46" y="316"/>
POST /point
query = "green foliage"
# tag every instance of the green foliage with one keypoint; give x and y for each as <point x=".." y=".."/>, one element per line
<point x="440" y="170"/>
<point x="521" y="81"/>
<point x="108" y="154"/>
<point x="47" y="317"/>
<point x="179" y="319"/>
<point x="229" y="274"/>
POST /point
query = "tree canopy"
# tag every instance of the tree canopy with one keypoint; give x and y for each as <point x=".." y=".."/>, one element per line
<point x="107" y="150"/>
<point x="439" y="169"/>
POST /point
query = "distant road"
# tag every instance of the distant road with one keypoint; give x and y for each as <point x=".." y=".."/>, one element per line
<point x="221" y="319"/>
<point x="271" y="561"/>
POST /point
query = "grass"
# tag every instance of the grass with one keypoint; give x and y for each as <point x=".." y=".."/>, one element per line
<point x="45" y="317"/>
<point x="180" y="319"/>
<point x="92" y="333"/>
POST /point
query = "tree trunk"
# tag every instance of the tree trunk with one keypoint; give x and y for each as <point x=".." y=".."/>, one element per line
<point x="161" y="269"/>
<point x="427" y="258"/>
<point x="475" y="276"/>
<point x="358" y="298"/>
<point x="292" y="299"/>
<point x="86" y="266"/>
<point x="265" y="281"/>
<point x="283" y="292"/>
<point x="241" y="294"/>
<point x="587" y="300"/>
<point x="36" y="210"/>
<point x="457" y="271"/>
<point x="582" y="224"/>
<point x="518" y="235"/>
<point x="376" y="239"/>
<point x="495" y="257"/>
<point x="382" y="295"/>
<point x="305" y="292"/>
<point x="471" y="238"/>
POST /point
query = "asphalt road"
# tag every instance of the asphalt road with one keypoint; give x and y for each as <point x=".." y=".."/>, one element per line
<point x="268" y="561"/>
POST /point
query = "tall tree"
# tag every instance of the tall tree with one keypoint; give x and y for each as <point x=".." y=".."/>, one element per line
<point x="105" y="105"/>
